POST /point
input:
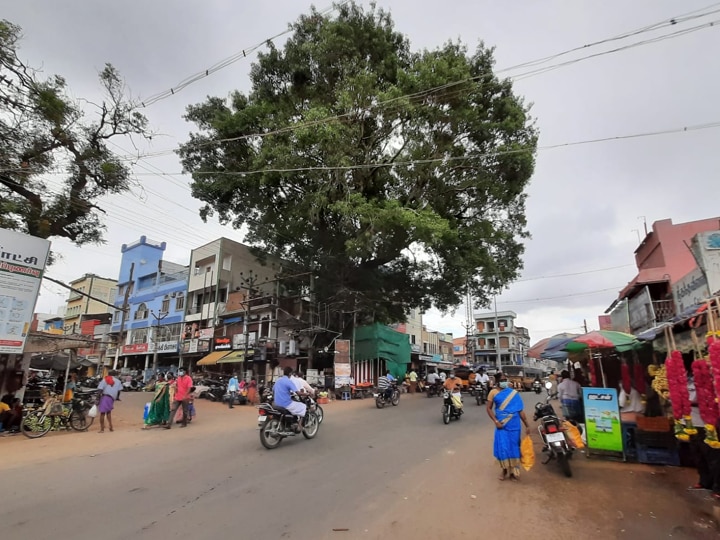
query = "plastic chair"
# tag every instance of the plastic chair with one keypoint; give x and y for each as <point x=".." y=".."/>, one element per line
<point x="345" y="395"/>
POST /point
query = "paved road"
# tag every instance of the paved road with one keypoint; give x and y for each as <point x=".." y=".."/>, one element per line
<point x="375" y="474"/>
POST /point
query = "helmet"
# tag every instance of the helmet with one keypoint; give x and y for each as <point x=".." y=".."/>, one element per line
<point x="452" y="375"/>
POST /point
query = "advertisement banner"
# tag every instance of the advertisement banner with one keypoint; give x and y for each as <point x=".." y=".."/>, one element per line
<point x="164" y="347"/>
<point x="22" y="262"/>
<point x="602" y="419"/>
<point x="223" y="344"/>
<point x="135" y="348"/>
<point x="342" y="362"/>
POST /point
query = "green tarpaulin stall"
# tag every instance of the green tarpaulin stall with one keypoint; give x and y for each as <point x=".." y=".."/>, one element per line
<point x="379" y="341"/>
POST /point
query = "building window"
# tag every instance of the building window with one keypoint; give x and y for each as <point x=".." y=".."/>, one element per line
<point x="180" y="303"/>
<point x="116" y="316"/>
<point x="165" y="304"/>
<point x="139" y="335"/>
<point x="141" y="313"/>
<point x="222" y="297"/>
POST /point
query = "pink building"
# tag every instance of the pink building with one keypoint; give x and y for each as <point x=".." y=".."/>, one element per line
<point x="662" y="258"/>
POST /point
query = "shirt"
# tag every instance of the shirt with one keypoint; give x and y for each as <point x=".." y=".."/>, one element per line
<point x="4" y="407"/>
<point x="282" y="392"/>
<point x="233" y="385"/>
<point x="413" y="376"/>
<point x="483" y="378"/>
<point x="383" y="383"/>
<point x="302" y="384"/>
<point x="110" y="390"/>
<point x="432" y="378"/>
<point x="390" y="378"/>
<point x="182" y="390"/>
<point x="569" y="389"/>
<point x="450" y="384"/>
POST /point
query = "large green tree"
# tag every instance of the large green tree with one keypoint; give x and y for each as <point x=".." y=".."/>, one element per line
<point x="54" y="162"/>
<point x="397" y="175"/>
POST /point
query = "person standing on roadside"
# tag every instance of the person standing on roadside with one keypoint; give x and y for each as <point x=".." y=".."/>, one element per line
<point x="413" y="381"/>
<point x="232" y="389"/>
<point x="109" y="390"/>
<point x="183" y="384"/>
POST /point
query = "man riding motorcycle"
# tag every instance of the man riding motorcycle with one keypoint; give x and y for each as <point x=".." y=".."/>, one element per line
<point x="385" y="385"/>
<point x="453" y="385"/>
<point x="283" y="391"/>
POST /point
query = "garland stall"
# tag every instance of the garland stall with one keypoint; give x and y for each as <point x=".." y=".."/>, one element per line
<point x="679" y="395"/>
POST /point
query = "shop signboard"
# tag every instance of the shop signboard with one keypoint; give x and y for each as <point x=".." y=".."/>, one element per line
<point x="222" y="344"/>
<point x="22" y="263"/>
<point x="602" y="419"/>
<point x="207" y="333"/>
<point x="342" y="362"/>
<point x="203" y="345"/>
<point x="135" y="348"/>
<point x="312" y="376"/>
<point x="164" y="347"/>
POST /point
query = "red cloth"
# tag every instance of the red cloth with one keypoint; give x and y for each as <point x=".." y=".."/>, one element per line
<point x="184" y="384"/>
<point x="109" y="379"/>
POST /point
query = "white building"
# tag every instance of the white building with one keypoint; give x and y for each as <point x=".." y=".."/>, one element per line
<point x="497" y="337"/>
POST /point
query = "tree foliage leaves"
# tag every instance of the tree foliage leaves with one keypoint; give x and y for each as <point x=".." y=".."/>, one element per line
<point x="407" y="169"/>
<point x="54" y="163"/>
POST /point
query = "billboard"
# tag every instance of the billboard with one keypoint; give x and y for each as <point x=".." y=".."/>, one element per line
<point x="22" y="263"/>
<point x="602" y="419"/>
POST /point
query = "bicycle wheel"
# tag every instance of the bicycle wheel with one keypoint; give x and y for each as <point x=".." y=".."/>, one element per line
<point x="80" y="421"/>
<point x="35" y="424"/>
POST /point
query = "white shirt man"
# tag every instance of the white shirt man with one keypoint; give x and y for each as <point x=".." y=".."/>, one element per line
<point x="431" y="378"/>
<point x="302" y="385"/>
<point x="482" y="378"/>
<point x="443" y="376"/>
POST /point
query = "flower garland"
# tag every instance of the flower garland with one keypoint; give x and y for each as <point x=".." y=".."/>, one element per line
<point x="714" y="350"/>
<point x="593" y="373"/>
<point x="679" y="396"/>
<point x="706" y="400"/>
<point x="626" y="380"/>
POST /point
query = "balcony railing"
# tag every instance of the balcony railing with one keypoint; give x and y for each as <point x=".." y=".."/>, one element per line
<point x="664" y="310"/>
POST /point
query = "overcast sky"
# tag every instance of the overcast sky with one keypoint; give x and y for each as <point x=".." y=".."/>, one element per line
<point x="587" y="203"/>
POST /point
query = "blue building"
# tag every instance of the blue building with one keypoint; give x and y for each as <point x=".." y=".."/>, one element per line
<point x="156" y="306"/>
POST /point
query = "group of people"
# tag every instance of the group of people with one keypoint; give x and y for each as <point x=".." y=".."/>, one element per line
<point x="172" y="394"/>
<point x="236" y="387"/>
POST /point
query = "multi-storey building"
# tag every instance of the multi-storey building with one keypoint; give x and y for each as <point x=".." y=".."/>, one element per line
<point x="231" y="297"/>
<point x="155" y="291"/>
<point x="497" y="340"/>
<point x="665" y="264"/>
<point x="78" y="305"/>
<point x="460" y="351"/>
<point x="413" y="327"/>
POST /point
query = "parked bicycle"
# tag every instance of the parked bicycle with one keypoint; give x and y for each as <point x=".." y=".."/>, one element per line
<point x="54" y="414"/>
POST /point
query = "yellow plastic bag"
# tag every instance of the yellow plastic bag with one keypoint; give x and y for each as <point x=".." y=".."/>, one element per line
<point x="527" y="453"/>
<point x="573" y="434"/>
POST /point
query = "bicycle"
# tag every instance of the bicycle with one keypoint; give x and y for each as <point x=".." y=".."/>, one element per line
<point x="55" y="414"/>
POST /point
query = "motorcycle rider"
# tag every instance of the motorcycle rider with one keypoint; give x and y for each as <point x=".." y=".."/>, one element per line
<point x="385" y="385"/>
<point x="282" y="397"/>
<point x="301" y="384"/>
<point x="454" y="385"/>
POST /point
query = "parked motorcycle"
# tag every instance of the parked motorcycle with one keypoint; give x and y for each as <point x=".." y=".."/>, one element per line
<point x="449" y="410"/>
<point x="382" y="399"/>
<point x="132" y="385"/>
<point x="537" y="386"/>
<point x="481" y="393"/>
<point x="279" y="423"/>
<point x="554" y="439"/>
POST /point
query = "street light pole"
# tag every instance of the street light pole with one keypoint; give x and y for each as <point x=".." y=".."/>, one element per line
<point x="159" y="317"/>
<point x="498" y="358"/>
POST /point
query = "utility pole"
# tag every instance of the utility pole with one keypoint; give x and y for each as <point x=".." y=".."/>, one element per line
<point x="585" y="325"/>
<point x="159" y="317"/>
<point x="123" y="317"/>
<point x="469" y="330"/>
<point x="249" y="284"/>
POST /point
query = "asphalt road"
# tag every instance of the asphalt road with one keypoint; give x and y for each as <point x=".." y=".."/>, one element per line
<point x="375" y="474"/>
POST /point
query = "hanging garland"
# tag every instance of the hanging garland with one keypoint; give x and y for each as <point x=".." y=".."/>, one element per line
<point x="593" y="374"/>
<point x="626" y="380"/>
<point x="706" y="400"/>
<point x="714" y="351"/>
<point x="679" y="396"/>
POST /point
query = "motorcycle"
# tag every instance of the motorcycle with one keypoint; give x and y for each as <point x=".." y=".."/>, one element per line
<point x="537" y="387"/>
<point x="433" y="389"/>
<point x="132" y="385"/>
<point x="382" y="399"/>
<point x="481" y="393"/>
<point x="279" y="423"/>
<point x="449" y="410"/>
<point x="554" y="438"/>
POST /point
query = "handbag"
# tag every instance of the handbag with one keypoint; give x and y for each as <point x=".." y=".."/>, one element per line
<point x="92" y="413"/>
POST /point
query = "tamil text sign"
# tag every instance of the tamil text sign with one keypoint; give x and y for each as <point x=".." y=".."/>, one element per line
<point x="22" y="262"/>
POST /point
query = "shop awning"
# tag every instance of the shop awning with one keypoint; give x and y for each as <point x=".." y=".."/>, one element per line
<point x="212" y="358"/>
<point x="235" y="356"/>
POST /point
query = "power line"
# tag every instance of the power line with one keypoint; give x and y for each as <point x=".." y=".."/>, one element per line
<point x="684" y="129"/>
<point x="573" y="273"/>
<point x="427" y="92"/>
<point x="225" y="62"/>
<point x="574" y="295"/>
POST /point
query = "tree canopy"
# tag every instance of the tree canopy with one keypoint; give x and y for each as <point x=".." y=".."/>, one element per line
<point x="398" y="175"/>
<point x="54" y="163"/>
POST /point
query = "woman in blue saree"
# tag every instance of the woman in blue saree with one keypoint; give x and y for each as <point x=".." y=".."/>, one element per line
<point x="505" y="409"/>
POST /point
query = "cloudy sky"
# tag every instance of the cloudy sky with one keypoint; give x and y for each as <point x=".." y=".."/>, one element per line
<point x="587" y="203"/>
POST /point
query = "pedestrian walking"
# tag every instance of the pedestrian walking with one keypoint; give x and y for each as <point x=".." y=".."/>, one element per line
<point x="413" y="381"/>
<point x="159" y="413"/>
<point x="233" y="387"/>
<point x="109" y="390"/>
<point x="183" y="384"/>
<point x="508" y="416"/>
